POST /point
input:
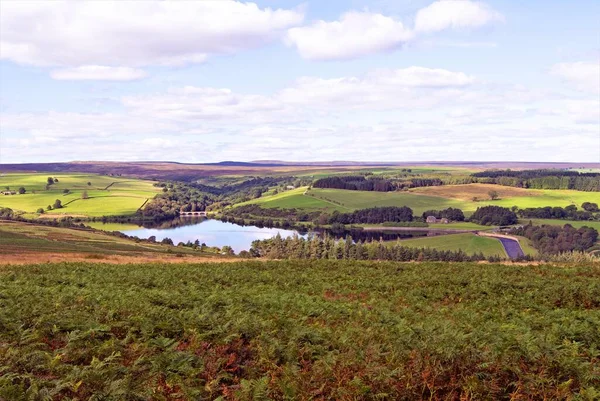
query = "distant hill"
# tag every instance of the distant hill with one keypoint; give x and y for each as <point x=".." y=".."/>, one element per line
<point x="194" y="171"/>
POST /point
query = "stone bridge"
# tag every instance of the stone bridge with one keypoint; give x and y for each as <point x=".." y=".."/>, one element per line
<point x="193" y="214"/>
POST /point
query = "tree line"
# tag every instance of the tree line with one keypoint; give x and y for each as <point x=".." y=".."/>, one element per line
<point x="373" y="183"/>
<point x="542" y="179"/>
<point x="316" y="247"/>
<point x="567" y="213"/>
<point x="451" y="214"/>
<point x="487" y="215"/>
<point x="374" y="215"/>
<point x="252" y="211"/>
<point x="555" y="239"/>
<point x="494" y="216"/>
<point x="354" y="183"/>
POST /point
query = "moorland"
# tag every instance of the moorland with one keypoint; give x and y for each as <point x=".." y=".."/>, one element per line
<point x="299" y="331"/>
<point x="401" y="282"/>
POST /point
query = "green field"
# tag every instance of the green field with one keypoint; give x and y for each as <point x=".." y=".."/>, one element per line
<point x="461" y="225"/>
<point x="468" y="243"/>
<point x="557" y="222"/>
<point x="297" y="330"/>
<point x="549" y="197"/>
<point x="106" y="195"/>
<point x="526" y="246"/>
<point x="342" y="200"/>
<point x="294" y="199"/>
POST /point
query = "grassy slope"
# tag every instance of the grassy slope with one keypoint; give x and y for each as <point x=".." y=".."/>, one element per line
<point x="293" y="199"/>
<point x="461" y="225"/>
<point x="469" y="243"/>
<point x="363" y="199"/>
<point x="107" y="195"/>
<point x="418" y="201"/>
<point x="300" y="330"/>
<point x="527" y="246"/>
<point x="556" y="222"/>
<point x="111" y="226"/>
<point x="19" y="237"/>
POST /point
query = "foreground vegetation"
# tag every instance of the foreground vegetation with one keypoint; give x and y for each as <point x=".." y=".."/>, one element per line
<point x="300" y="330"/>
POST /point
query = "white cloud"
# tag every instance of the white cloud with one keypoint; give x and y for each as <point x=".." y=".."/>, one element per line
<point x="98" y="73"/>
<point x="358" y="34"/>
<point x="84" y="125"/>
<point x="195" y="104"/>
<point x="584" y="75"/>
<point x="383" y="89"/>
<point x="355" y="34"/>
<point x="455" y="14"/>
<point x="414" y="113"/>
<point x="134" y="33"/>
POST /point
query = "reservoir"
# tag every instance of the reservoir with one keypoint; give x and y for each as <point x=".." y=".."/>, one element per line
<point x="219" y="233"/>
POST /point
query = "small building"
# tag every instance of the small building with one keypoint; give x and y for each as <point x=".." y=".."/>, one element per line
<point x="433" y="220"/>
<point x="290" y="187"/>
<point x="9" y="193"/>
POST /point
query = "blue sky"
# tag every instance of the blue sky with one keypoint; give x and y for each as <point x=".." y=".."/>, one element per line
<point x="204" y="81"/>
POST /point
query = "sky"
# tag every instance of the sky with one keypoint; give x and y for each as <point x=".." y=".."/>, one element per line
<point x="381" y="80"/>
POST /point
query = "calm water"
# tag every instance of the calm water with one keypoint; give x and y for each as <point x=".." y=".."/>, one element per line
<point x="213" y="233"/>
<point x="218" y="233"/>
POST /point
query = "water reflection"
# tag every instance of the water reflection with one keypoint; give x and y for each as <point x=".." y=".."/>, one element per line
<point x="212" y="233"/>
<point x="219" y="233"/>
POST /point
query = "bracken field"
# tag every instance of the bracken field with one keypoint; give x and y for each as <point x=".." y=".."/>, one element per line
<point x="300" y="330"/>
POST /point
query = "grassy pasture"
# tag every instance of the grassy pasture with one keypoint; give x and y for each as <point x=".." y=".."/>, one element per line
<point x="466" y="192"/>
<point x="523" y="198"/>
<point x="557" y="222"/>
<point x="365" y="199"/>
<point x="293" y="199"/>
<point x="526" y="246"/>
<point x="107" y="195"/>
<point x="422" y="199"/>
<point x="461" y="225"/>
<point x="468" y="243"/>
<point x="300" y="330"/>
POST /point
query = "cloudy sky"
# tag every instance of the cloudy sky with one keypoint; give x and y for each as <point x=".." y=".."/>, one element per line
<point x="379" y="80"/>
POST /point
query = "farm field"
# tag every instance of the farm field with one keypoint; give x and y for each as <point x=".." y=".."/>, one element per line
<point x="461" y="225"/>
<point x="353" y="200"/>
<point x="509" y="196"/>
<point x="558" y="222"/>
<point x="106" y="195"/>
<point x="466" y="192"/>
<point x="467" y="242"/>
<point x="300" y="330"/>
<point x="293" y="199"/>
<point x="420" y="200"/>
